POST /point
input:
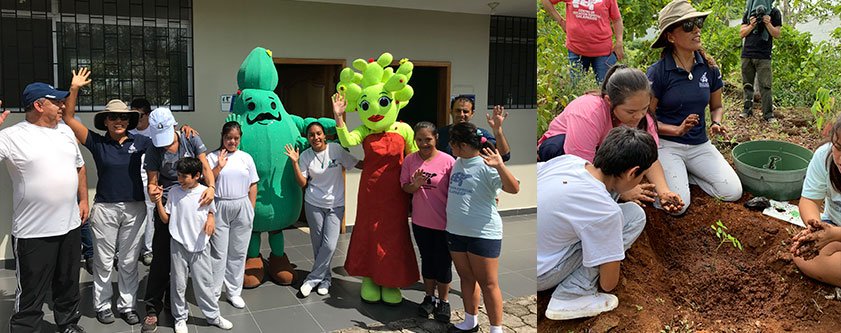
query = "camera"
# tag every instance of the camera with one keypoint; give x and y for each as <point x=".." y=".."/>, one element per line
<point x="760" y="11"/>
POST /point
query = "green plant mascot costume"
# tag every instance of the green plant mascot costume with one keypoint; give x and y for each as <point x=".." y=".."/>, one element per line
<point x="380" y="249"/>
<point x="266" y="129"/>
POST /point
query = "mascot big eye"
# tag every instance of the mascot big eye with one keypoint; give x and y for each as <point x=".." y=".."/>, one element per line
<point x="380" y="249"/>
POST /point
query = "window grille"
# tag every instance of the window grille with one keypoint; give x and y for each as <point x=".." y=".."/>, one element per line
<point x="512" y="76"/>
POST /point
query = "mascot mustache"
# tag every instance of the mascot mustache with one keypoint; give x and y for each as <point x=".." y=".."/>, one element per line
<point x="261" y="117"/>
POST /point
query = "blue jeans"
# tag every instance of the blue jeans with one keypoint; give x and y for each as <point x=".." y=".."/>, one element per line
<point x="87" y="240"/>
<point x="582" y="64"/>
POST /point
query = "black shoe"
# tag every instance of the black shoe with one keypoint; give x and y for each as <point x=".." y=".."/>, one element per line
<point x="454" y="329"/>
<point x="130" y="317"/>
<point x="89" y="265"/>
<point x="105" y="316"/>
<point x="73" y="328"/>
<point x="426" y="307"/>
<point x="442" y="312"/>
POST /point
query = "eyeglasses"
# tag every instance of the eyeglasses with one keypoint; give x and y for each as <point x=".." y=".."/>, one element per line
<point x="117" y="116"/>
<point x="690" y="24"/>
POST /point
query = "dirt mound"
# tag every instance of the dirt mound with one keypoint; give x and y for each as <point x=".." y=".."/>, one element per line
<point x="678" y="274"/>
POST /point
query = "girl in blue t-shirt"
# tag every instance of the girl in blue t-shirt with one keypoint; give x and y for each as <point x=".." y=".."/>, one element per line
<point x="474" y="227"/>
<point x="817" y="248"/>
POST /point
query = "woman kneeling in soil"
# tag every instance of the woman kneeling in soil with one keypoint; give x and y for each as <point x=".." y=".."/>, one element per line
<point x="817" y="248"/>
<point x="624" y="100"/>
<point x="684" y="81"/>
<point x="582" y="233"/>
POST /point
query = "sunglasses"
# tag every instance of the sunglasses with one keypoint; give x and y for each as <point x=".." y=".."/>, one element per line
<point x="117" y="116"/>
<point x="690" y="24"/>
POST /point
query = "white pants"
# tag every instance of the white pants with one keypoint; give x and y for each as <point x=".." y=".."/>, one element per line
<point x="116" y="227"/>
<point x="229" y="244"/>
<point x="149" y="233"/>
<point x="572" y="278"/>
<point x="702" y="165"/>
<point x="198" y="265"/>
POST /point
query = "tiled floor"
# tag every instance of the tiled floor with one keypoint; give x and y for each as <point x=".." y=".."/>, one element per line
<point x="274" y="308"/>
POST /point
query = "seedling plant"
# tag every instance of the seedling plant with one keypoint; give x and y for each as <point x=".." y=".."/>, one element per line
<point x="724" y="237"/>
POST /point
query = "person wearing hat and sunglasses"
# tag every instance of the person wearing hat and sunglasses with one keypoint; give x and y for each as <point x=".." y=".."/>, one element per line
<point x="684" y="82"/>
<point x="119" y="210"/>
<point x="45" y="165"/>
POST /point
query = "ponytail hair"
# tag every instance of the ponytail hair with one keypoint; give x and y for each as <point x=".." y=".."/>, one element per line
<point x="470" y="135"/>
<point x="621" y="82"/>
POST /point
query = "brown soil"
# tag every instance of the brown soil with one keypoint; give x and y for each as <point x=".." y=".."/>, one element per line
<point x="674" y="276"/>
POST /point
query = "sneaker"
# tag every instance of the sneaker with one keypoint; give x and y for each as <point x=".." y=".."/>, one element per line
<point x="73" y="328"/>
<point x="426" y="307"/>
<point x="130" y="317"/>
<point x="181" y="327"/>
<point x="146" y="259"/>
<point x="453" y="329"/>
<point x="306" y="288"/>
<point x="237" y="301"/>
<point x="105" y="316"/>
<point x="150" y="324"/>
<point x="323" y="288"/>
<point x="221" y="323"/>
<point x="771" y="120"/>
<point x="89" y="265"/>
<point x="744" y="114"/>
<point x="584" y="306"/>
<point x="442" y="312"/>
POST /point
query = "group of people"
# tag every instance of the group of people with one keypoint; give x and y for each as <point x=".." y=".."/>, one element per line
<point x="195" y="207"/>
<point x="652" y="125"/>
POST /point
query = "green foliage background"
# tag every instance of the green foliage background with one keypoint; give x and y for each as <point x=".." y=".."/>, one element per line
<point x="800" y="67"/>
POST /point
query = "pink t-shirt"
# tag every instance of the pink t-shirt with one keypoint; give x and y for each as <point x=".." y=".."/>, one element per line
<point x="586" y="122"/>
<point x="429" y="203"/>
<point x="588" y="26"/>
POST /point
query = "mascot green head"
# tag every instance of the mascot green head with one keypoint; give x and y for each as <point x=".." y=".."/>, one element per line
<point x="256" y="100"/>
<point x="378" y="92"/>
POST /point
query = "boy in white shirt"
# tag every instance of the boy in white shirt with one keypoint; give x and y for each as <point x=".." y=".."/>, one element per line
<point x="191" y="226"/>
<point x="582" y="233"/>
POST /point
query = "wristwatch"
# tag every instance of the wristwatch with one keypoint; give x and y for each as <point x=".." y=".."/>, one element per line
<point x="713" y="123"/>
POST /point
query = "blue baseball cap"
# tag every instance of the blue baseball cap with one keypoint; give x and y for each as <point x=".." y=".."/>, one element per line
<point x="38" y="90"/>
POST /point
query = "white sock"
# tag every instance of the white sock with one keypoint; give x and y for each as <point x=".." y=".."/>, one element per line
<point x="496" y="329"/>
<point x="468" y="323"/>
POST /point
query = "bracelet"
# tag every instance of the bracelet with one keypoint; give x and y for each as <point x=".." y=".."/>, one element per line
<point x="213" y="187"/>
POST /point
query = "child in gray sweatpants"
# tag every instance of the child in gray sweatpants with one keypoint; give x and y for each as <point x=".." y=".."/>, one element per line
<point x="191" y="226"/>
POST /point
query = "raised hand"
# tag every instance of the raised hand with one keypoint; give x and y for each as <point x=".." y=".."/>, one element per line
<point x="292" y="152"/>
<point x="80" y="78"/>
<point x="495" y="121"/>
<point x="339" y="104"/>
<point x="4" y="114"/>
<point x="223" y="158"/>
<point x="492" y="158"/>
<point x="418" y="178"/>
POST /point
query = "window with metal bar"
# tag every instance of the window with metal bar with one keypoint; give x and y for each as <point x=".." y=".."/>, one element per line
<point x="134" y="48"/>
<point x="512" y="74"/>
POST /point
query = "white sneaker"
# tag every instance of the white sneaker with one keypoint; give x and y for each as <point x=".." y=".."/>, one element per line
<point x="306" y="288"/>
<point x="237" y="301"/>
<point x="181" y="327"/>
<point x="221" y="323"/>
<point x="584" y="306"/>
<point x="323" y="288"/>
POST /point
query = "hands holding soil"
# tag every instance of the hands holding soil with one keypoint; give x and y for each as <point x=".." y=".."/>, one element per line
<point x="808" y="243"/>
<point x="671" y="202"/>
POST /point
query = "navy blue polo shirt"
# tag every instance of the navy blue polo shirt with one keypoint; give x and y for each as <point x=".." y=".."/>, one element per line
<point x="443" y="142"/>
<point x="678" y="97"/>
<point x="118" y="166"/>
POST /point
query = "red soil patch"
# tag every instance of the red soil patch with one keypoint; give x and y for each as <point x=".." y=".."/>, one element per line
<point x="673" y="275"/>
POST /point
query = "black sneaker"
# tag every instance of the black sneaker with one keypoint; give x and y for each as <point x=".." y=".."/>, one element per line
<point x="89" y="265"/>
<point x="130" y="317"/>
<point x="73" y="328"/>
<point x="442" y="312"/>
<point x="150" y="324"/>
<point x="426" y="307"/>
<point x="105" y="316"/>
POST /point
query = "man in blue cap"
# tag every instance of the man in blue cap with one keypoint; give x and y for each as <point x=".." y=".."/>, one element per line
<point x="45" y="164"/>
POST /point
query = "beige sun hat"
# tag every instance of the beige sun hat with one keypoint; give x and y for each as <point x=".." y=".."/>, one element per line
<point x="676" y="11"/>
<point x="115" y="106"/>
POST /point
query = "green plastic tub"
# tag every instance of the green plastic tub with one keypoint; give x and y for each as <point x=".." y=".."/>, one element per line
<point x="772" y="169"/>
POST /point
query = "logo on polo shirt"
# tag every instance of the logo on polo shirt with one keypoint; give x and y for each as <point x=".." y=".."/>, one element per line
<point x="704" y="82"/>
<point x="132" y="149"/>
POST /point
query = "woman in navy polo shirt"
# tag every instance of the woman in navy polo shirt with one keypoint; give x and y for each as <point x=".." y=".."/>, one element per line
<point x="119" y="208"/>
<point x="684" y="82"/>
